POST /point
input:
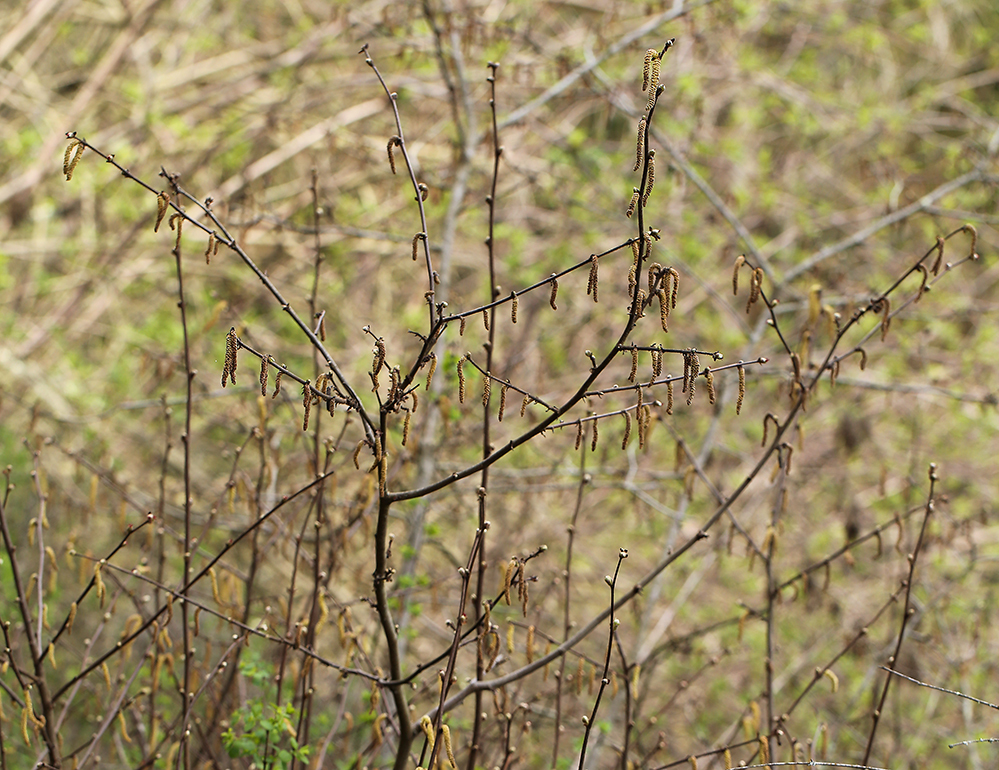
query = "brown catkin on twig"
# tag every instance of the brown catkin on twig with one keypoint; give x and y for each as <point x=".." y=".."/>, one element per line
<point x="277" y="383"/>
<point x="229" y="365"/>
<point x="650" y="55"/>
<point x="513" y="307"/>
<point x="487" y="388"/>
<point x="554" y="294"/>
<point x="263" y="374"/>
<point x="739" y="262"/>
<point x="593" y="441"/>
<point x="651" y="182"/>
<point x="634" y="364"/>
<point x="430" y="372"/>
<point x="502" y="406"/>
<point x="461" y="381"/>
<point x="627" y="430"/>
<point x="591" y="284"/>
<point x="71" y="157"/>
<point x="742" y="389"/>
<point x="306" y="403"/>
<point x="640" y="145"/>
<point x="395" y="141"/>
<point x="711" y="385"/>
<point x="162" y="201"/>
<point x="669" y="397"/>
<point x="634" y="202"/>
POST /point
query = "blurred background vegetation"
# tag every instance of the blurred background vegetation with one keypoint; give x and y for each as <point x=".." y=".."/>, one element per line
<point x="830" y="141"/>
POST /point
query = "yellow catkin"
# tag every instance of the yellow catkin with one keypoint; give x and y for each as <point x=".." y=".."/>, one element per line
<point x="446" y="732"/>
<point x="431" y="370"/>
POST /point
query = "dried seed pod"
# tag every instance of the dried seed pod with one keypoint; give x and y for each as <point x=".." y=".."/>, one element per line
<point x="640" y="145"/>
<point x="742" y="389"/>
<point x="162" y="202"/>
<point x="634" y="202"/>
<point x="739" y="262"/>
<point x="395" y="141"/>
<point x="554" y="294"/>
<point x="591" y="284"/>
<point x="650" y="183"/>
<point x="513" y="307"/>
<point x="461" y="381"/>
